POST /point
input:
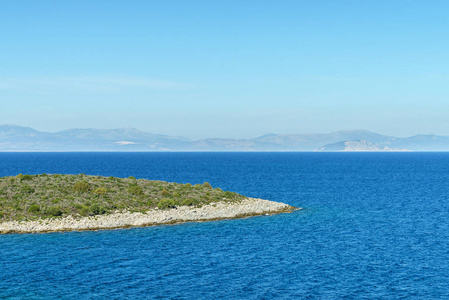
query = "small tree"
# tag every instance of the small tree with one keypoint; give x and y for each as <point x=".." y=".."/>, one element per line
<point x="207" y="185"/>
<point x="100" y="191"/>
<point x="26" y="177"/>
<point x="81" y="186"/>
<point x="189" y="202"/>
<point x="97" y="209"/>
<point x="135" y="190"/>
<point x="229" y="195"/>
<point x="165" y="193"/>
<point x="166" y="203"/>
<point x="34" y="208"/>
<point x="54" y="211"/>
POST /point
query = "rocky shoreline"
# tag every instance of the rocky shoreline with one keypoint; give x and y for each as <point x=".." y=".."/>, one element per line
<point x="215" y="211"/>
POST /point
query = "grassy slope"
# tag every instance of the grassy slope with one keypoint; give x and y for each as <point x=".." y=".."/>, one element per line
<point x="29" y="197"/>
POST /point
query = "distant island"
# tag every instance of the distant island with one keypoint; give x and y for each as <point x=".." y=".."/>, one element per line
<point x="358" y="146"/>
<point x="18" y="138"/>
<point x="45" y="203"/>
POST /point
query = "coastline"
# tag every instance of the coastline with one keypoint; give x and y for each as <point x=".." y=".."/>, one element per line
<point x="215" y="211"/>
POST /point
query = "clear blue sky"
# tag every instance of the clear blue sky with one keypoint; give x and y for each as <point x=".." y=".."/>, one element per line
<point x="226" y="68"/>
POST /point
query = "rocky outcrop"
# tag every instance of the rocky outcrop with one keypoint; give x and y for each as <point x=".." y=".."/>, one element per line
<point x="216" y="211"/>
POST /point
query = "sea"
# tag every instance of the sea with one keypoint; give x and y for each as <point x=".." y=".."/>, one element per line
<point x="372" y="226"/>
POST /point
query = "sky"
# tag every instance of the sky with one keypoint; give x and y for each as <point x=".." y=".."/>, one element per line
<point x="229" y="69"/>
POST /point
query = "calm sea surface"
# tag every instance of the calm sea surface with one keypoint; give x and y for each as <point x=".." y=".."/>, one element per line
<point x="374" y="225"/>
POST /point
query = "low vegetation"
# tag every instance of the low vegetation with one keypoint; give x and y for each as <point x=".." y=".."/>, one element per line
<point x="29" y="197"/>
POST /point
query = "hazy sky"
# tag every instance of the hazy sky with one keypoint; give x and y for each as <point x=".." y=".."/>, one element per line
<point x="226" y="68"/>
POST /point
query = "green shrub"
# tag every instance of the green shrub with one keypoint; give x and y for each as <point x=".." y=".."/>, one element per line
<point x="54" y="211"/>
<point x="97" y="209"/>
<point x="19" y="176"/>
<point x="81" y="186"/>
<point x="229" y="195"/>
<point x="188" y="185"/>
<point x="26" y="177"/>
<point x="27" y="189"/>
<point x="85" y="210"/>
<point x="18" y="196"/>
<point x="207" y="185"/>
<point x="166" y="203"/>
<point x="165" y="193"/>
<point x="34" y="208"/>
<point x="135" y="190"/>
<point x="100" y="191"/>
<point x="132" y="177"/>
<point x="189" y="202"/>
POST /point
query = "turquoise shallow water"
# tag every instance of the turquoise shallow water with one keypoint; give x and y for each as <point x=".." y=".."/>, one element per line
<point x="374" y="225"/>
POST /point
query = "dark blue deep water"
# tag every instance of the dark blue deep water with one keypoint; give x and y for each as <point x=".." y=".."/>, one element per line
<point x="374" y="225"/>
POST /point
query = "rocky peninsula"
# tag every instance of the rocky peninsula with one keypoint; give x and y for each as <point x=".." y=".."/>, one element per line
<point x="48" y="203"/>
<point x="216" y="211"/>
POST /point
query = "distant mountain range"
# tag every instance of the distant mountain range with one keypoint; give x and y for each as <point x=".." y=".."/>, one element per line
<point x="17" y="138"/>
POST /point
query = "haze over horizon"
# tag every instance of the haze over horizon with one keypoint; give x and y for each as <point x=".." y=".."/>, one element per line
<point x="212" y="136"/>
<point x="18" y="138"/>
<point x="228" y="70"/>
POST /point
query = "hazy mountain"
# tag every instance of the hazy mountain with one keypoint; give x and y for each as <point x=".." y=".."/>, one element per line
<point x="420" y="142"/>
<point x="126" y="139"/>
<point x="423" y="142"/>
<point x="13" y="130"/>
<point x="16" y="138"/>
<point x="111" y="134"/>
<point x="25" y="138"/>
<point x="310" y="142"/>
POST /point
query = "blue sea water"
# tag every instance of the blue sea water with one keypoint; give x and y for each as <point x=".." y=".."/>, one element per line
<point x="374" y="225"/>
